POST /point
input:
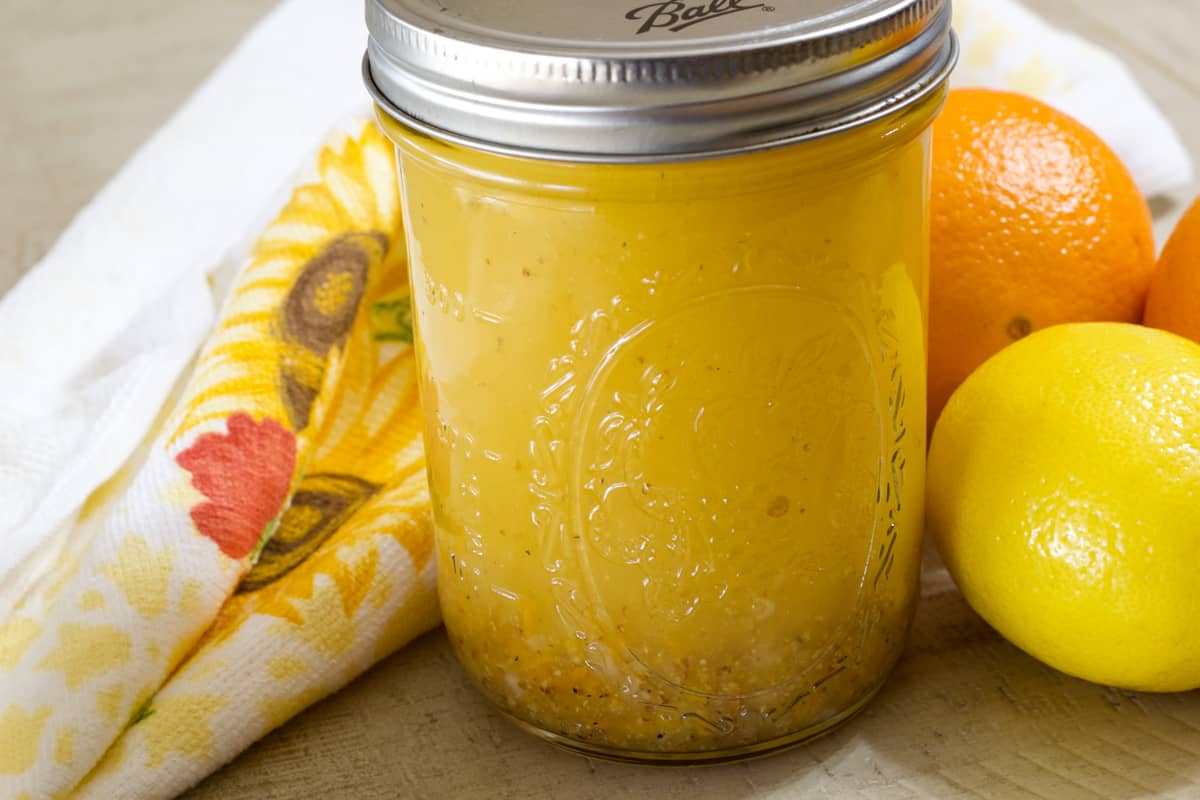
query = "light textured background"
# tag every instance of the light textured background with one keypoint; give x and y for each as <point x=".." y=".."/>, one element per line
<point x="966" y="715"/>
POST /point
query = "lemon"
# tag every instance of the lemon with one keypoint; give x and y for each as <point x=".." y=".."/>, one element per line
<point x="1064" y="495"/>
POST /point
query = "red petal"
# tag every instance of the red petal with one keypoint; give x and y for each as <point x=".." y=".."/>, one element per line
<point x="246" y="475"/>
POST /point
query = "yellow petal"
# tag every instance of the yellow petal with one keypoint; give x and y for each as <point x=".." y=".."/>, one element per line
<point x="15" y="638"/>
<point x="85" y="651"/>
<point x="20" y="732"/>
<point x="142" y="574"/>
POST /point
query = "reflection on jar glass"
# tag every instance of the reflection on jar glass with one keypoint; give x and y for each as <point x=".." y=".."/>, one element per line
<point x="676" y="412"/>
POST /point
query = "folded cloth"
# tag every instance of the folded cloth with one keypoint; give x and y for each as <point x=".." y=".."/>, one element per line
<point x="270" y="541"/>
<point x="97" y="333"/>
<point x="185" y="567"/>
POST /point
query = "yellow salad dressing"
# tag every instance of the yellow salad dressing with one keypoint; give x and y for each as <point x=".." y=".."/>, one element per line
<point x="676" y="430"/>
<point x="668" y="265"/>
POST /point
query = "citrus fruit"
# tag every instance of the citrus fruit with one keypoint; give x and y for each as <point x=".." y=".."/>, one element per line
<point x="1063" y="484"/>
<point x="1174" y="300"/>
<point x="1035" y="222"/>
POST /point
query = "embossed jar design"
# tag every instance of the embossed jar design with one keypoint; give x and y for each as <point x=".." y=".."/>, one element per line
<point x="669" y="292"/>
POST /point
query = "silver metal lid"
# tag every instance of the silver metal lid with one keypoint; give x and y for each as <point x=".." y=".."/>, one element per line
<point x="633" y="81"/>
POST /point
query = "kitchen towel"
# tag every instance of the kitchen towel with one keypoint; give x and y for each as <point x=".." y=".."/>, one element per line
<point x="270" y="540"/>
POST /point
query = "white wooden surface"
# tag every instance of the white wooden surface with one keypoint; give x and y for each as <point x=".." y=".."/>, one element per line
<point x="965" y="715"/>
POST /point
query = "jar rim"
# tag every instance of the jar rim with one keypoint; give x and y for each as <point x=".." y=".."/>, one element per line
<point x="624" y="100"/>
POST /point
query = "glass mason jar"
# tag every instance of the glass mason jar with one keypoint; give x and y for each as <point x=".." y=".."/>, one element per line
<point x="669" y="291"/>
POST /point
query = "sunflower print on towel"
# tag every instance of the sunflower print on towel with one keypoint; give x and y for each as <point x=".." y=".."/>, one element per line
<point x="271" y="540"/>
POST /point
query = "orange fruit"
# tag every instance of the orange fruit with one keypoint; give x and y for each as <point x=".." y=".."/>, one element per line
<point x="1174" y="301"/>
<point x="1035" y="222"/>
